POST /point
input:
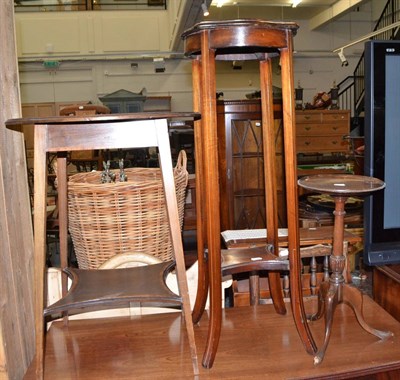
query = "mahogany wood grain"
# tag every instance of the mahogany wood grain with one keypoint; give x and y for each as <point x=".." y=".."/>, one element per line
<point x="335" y="291"/>
<point x="289" y="133"/>
<point x="251" y="259"/>
<point x="203" y="281"/>
<point x="211" y="194"/>
<point x="259" y="40"/>
<point x="270" y="178"/>
<point x="256" y="343"/>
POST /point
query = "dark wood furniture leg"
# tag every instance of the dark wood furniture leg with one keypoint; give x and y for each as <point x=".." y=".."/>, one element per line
<point x="289" y="132"/>
<point x="271" y="200"/>
<point x="203" y="282"/>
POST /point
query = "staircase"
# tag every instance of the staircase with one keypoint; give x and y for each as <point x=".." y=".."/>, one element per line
<point x="352" y="88"/>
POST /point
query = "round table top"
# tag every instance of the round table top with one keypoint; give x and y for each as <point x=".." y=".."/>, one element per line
<point x="241" y="39"/>
<point x="341" y="184"/>
<point x="104" y="118"/>
<point x="242" y="23"/>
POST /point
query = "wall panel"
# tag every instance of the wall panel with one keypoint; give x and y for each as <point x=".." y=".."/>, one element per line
<point x="53" y="35"/>
<point x="48" y="35"/>
<point x="128" y="34"/>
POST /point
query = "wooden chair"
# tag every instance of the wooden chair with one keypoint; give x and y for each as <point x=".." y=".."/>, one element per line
<point x="103" y="288"/>
<point x="314" y="242"/>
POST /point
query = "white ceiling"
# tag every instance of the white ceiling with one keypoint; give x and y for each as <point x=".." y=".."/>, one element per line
<point x="318" y="11"/>
<point x="280" y="3"/>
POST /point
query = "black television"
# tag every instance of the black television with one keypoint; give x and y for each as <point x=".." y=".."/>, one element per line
<point x="382" y="152"/>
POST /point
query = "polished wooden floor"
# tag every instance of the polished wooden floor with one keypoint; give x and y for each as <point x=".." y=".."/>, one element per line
<point x="256" y="343"/>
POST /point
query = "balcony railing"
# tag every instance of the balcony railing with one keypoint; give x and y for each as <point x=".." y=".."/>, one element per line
<point x="87" y="5"/>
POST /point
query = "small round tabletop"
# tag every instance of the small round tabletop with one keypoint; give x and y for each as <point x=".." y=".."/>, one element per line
<point x="341" y="184"/>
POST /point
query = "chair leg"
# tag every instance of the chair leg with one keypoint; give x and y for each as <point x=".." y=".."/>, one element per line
<point x="275" y="287"/>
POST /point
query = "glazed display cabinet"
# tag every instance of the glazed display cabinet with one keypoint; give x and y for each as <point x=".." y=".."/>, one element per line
<point x="240" y="147"/>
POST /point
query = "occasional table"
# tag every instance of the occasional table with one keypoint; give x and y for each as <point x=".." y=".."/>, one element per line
<point x="103" y="288"/>
<point x="335" y="291"/>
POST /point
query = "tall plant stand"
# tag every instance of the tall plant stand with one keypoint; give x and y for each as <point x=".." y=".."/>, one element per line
<point x="241" y="40"/>
<point x="335" y="291"/>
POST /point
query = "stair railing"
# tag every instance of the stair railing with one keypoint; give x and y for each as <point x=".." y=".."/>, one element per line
<point x="389" y="15"/>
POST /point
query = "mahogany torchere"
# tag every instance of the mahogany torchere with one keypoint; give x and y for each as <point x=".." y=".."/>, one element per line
<point x="335" y="291"/>
<point x="239" y="40"/>
<point x="103" y="288"/>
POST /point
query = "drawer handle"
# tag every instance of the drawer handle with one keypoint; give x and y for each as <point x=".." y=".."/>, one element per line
<point x="258" y="124"/>
<point x="307" y="143"/>
<point x="307" y="117"/>
<point x="335" y="128"/>
<point x="334" y="142"/>
<point x="307" y="128"/>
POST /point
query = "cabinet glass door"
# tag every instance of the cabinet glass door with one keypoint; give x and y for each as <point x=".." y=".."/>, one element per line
<point x="247" y="174"/>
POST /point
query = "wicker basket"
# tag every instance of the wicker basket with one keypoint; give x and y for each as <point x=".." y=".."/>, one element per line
<point x="106" y="219"/>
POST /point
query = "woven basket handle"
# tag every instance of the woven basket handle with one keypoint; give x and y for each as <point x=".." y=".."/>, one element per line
<point x="181" y="162"/>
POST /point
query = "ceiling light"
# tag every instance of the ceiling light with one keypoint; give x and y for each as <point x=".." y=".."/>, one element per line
<point x="205" y="9"/>
<point x="295" y="3"/>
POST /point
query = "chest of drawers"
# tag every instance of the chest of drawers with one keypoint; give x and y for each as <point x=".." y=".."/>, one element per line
<point x="322" y="131"/>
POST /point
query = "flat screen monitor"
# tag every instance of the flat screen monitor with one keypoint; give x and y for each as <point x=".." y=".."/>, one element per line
<point x="382" y="152"/>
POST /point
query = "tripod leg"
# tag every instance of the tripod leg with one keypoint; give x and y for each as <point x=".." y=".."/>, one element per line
<point x="354" y="298"/>
<point x="331" y="301"/>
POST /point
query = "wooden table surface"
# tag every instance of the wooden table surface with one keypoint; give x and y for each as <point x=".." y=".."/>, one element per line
<point x="256" y="343"/>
